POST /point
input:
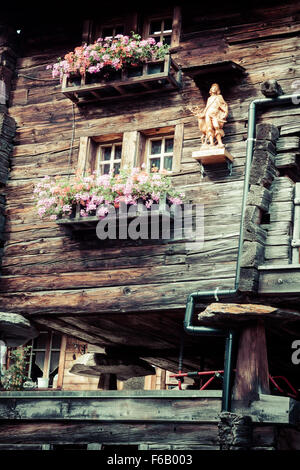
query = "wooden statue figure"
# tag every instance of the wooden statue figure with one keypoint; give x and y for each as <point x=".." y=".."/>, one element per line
<point x="211" y="119"/>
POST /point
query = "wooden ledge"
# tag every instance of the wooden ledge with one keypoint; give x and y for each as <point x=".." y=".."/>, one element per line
<point x="214" y="68"/>
<point x="15" y="329"/>
<point x="231" y="314"/>
<point x="213" y="155"/>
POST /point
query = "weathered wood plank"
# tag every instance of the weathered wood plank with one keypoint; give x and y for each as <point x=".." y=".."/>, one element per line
<point x="106" y="407"/>
<point x="281" y="280"/>
<point x="121" y="433"/>
<point x="252" y="371"/>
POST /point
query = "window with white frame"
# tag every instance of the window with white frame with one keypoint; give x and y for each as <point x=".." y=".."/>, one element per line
<point x="109" y="158"/>
<point x="159" y="152"/>
<point x="159" y="147"/>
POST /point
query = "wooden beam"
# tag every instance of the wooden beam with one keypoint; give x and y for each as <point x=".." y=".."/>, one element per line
<point x="157" y="406"/>
<point x="178" y="144"/>
<point x="107" y="382"/>
<point x="252" y="371"/>
<point x="109" y="433"/>
<point x="47" y="356"/>
<point x="129" y="148"/>
<point x="107" y="406"/>
<point x="176" y="26"/>
<point x="279" y="279"/>
<point x="61" y="364"/>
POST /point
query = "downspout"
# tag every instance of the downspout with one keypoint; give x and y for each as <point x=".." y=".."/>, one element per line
<point x="190" y="305"/>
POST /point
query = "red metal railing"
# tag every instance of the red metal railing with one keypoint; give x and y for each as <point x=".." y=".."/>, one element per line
<point x="217" y="373"/>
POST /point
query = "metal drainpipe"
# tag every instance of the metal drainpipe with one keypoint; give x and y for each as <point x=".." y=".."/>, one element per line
<point x="190" y="305"/>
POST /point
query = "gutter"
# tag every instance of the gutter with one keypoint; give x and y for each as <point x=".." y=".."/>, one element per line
<point x="230" y="335"/>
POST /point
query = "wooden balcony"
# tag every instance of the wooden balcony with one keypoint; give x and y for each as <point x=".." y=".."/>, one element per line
<point x="151" y="77"/>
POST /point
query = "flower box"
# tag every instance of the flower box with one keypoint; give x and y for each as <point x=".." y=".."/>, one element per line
<point x="79" y="203"/>
<point x="77" y="222"/>
<point x="149" y="77"/>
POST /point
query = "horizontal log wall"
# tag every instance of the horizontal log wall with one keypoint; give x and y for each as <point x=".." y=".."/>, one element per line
<point x="156" y="420"/>
<point x="46" y="271"/>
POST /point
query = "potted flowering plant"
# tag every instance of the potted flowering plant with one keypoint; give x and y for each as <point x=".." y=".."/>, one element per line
<point x="108" y="55"/>
<point x="59" y="197"/>
<point x="15" y="376"/>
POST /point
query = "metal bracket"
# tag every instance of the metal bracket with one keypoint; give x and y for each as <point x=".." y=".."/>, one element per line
<point x="229" y="166"/>
<point x="297" y="201"/>
<point x="295" y="243"/>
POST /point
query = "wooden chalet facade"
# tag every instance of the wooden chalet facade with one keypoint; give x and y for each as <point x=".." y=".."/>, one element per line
<point x="130" y="298"/>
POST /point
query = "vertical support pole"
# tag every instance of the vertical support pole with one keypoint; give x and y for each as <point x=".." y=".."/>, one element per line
<point x="252" y="371"/>
<point x="228" y="371"/>
<point x="107" y="382"/>
<point x="62" y="359"/>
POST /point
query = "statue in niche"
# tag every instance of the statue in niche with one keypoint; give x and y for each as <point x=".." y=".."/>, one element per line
<point x="211" y="119"/>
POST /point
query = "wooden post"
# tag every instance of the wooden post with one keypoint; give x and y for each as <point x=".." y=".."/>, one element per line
<point x="61" y="365"/>
<point x="252" y="372"/>
<point x="108" y="382"/>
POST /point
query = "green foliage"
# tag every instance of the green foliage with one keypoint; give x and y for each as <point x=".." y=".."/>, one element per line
<point x="14" y="377"/>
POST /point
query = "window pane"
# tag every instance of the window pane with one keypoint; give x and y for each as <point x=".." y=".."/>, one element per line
<point x="106" y="153"/>
<point x="155" y="27"/>
<point x="41" y="341"/>
<point x="105" y="169"/>
<point x="169" y="145"/>
<point x="155" y="147"/>
<point x="168" y="163"/>
<point x="167" y="40"/>
<point x="54" y="361"/>
<point x="120" y="29"/>
<point x="118" y="152"/>
<point x="154" y="162"/>
<point x="39" y="359"/>
<point x="117" y="168"/>
<point x="107" y="32"/>
<point x="168" y="25"/>
<point x="56" y="340"/>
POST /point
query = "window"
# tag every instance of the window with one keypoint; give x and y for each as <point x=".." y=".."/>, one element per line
<point x="44" y="358"/>
<point x="160" y="147"/>
<point x="112" y="30"/>
<point x="160" y="153"/>
<point x="109" y="158"/>
<point x="165" y="26"/>
<point x="109" y="26"/>
<point x="161" y="30"/>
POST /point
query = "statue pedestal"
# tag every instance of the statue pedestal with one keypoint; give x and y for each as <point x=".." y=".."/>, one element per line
<point x="212" y="155"/>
